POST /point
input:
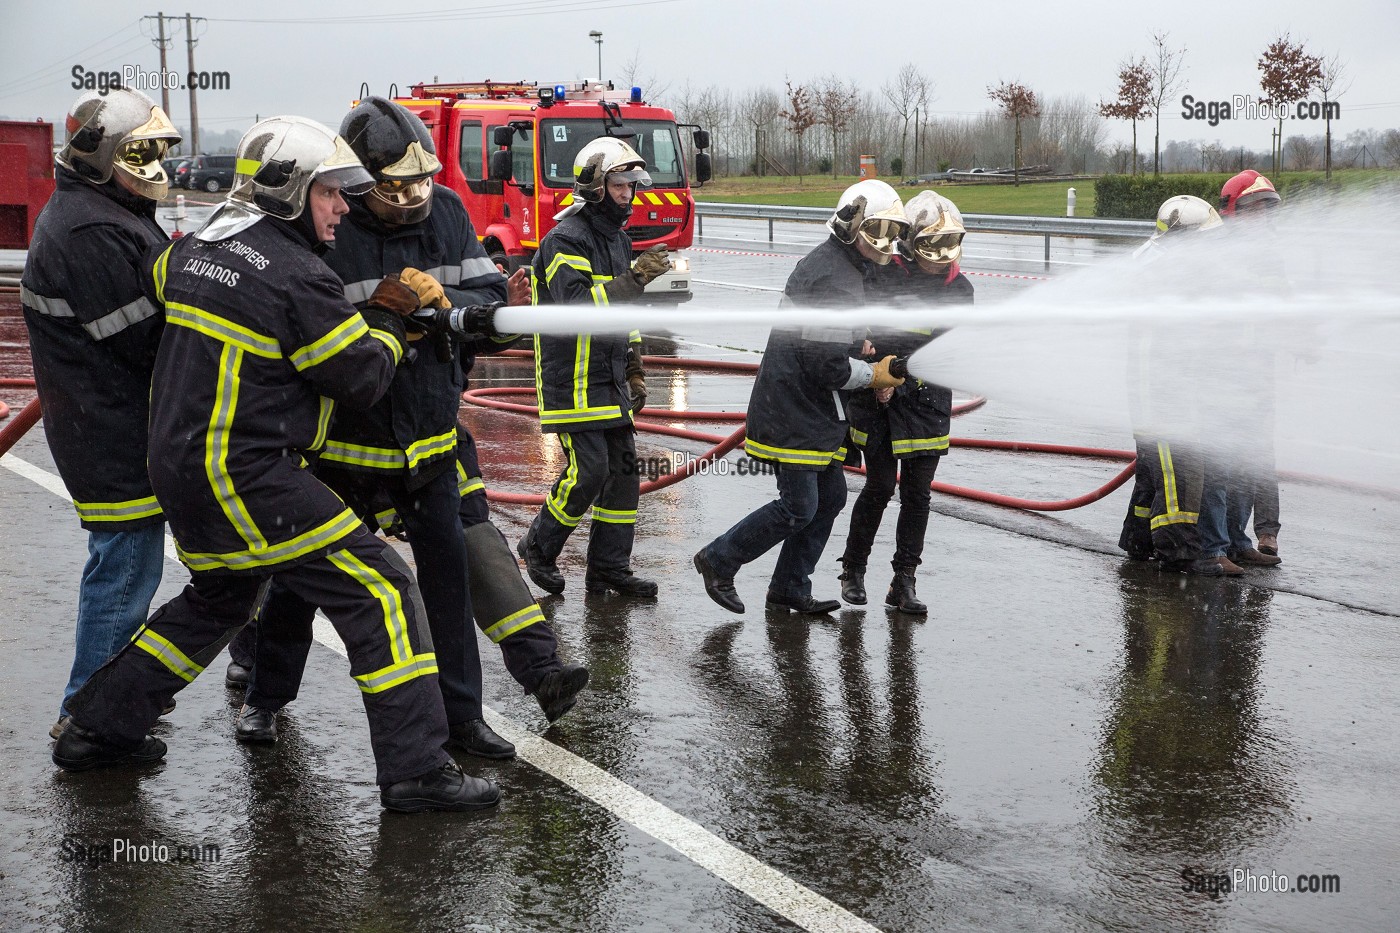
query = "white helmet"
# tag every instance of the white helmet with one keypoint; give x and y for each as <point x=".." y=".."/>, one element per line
<point x="600" y="158"/>
<point x="935" y="229"/>
<point x="278" y="160"/>
<point x="1183" y="213"/>
<point x="122" y="130"/>
<point x="872" y="210"/>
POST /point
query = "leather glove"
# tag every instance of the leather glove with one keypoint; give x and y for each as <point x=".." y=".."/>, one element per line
<point x="885" y="376"/>
<point x="624" y="287"/>
<point x="394" y="296"/>
<point x="429" y="289"/>
<point x="849" y="219"/>
<point x="475" y="321"/>
<point x="636" y="380"/>
<point x="518" y="288"/>
<point x="652" y="263"/>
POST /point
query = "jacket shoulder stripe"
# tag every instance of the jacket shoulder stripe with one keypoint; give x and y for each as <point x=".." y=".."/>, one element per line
<point x="220" y="328"/>
<point x="340" y="337"/>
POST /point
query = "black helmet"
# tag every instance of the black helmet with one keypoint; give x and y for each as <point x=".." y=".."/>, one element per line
<point x="398" y="151"/>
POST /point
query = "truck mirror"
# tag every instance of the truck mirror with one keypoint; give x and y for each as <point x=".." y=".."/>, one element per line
<point x="501" y="167"/>
<point x="502" y="135"/>
<point x="701" y="139"/>
<point x="703" y="171"/>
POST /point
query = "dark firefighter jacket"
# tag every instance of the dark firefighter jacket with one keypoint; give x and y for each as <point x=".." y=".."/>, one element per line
<point x="94" y="335"/>
<point x="581" y="380"/>
<point x="413" y="427"/>
<point x="260" y="344"/>
<point x="920" y="412"/>
<point x="797" y="411"/>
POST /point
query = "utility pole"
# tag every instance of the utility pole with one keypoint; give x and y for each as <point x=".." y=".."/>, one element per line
<point x="189" y="79"/>
<point x="162" y="43"/>
<point x="597" y="37"/>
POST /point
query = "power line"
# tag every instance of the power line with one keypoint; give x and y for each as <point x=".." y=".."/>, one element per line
<point x="69" y="57"/>
<point x="33" y="84"/>
<point x="541" y="8"/>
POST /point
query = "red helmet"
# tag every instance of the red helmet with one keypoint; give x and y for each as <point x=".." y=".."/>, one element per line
<point x="1249" y="191"/>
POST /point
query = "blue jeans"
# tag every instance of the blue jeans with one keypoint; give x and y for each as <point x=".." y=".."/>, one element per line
<point x="1226" y="499"/>
<point x="121" y="576"/>
<point x="800" y="519"/>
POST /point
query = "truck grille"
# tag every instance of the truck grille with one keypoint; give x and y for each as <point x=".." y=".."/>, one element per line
<point x="649" y="232"/>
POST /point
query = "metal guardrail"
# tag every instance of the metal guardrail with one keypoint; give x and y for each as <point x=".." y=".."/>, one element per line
<point x="1047" y="227"/>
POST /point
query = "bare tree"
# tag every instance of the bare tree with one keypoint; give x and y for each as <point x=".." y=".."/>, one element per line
<point x="1330" y="86"/>
<point x="1390" y="147"/>
<point x="836" y="103"/>
<point x="1134" y="101"/>
<point x="1287" y="74"/>
<point x="1166" y="78"/>
<point x="761" y="108"/>
<point x="801" y="116"/>
<point x="632" y="77"/>
<point x="1302" y="152"/>
<point x="1215" y="157"/>
<point x="907" y="93"/>
<point x="1017" y="102"/>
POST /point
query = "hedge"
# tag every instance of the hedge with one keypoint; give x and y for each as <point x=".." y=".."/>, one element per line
<point x="1139" y="196"/>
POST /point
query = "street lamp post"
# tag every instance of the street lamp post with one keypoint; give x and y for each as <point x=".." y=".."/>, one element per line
<point x="597" y="37"/>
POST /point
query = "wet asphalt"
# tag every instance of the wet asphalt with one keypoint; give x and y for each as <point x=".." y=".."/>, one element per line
<point x="1068" y="741"/>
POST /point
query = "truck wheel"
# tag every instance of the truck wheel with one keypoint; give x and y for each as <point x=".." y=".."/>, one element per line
<point x="499" y="257"/>
<point x="212" y="185"/>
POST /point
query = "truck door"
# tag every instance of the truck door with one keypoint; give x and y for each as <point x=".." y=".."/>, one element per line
<point x="518" y="197"/>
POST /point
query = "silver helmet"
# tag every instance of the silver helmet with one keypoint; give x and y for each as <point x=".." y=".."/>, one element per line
<point x="872" y="212"/>
<point x="121" y="133"/>
<point x="597" y="160"/>
<point x="935" y="231"/>
<point x="278" y="161"/>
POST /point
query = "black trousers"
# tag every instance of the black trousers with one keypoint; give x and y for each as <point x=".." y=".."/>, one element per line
<point x="883" y="472"/>
<point x="1136" y="537"/>
<point x="1178" y="476"/>
<point x="602" y="473"/>
<point x="368" y="595"/>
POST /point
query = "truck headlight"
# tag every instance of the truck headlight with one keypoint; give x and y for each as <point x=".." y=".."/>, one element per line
<point x="680" y="264"/>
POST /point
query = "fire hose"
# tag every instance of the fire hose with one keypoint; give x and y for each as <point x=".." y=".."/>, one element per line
<point x="28" y="415"/>
<point x="491" y="398"/>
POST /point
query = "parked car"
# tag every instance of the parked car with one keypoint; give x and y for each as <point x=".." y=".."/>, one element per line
<point x="179" y="171"/>
<point x="210" y="172"/>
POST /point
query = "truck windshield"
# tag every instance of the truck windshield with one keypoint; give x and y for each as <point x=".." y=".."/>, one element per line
<point x="560" y="141"/>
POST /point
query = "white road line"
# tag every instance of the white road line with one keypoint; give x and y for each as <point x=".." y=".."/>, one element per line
<point x="770" y="887"/>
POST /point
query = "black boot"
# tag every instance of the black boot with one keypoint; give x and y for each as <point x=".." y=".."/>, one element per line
<point x="475" y="737"/>
<point x="256" y="726"/>
<point x="902" y="597"/>
<point x="236" y="676"/>
<point x="853" y="585"/>
<point x="599" y="580"/>
<point x="803" y="605"/>
<point x="79" y="749"/>
<point x="559" y="690"/>
<point x="443" y="788"/>
<point x="720" y="589"/>
<point x="540" y="568"/>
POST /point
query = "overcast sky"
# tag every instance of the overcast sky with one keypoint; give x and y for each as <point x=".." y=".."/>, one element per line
<point x="315" y="68"/>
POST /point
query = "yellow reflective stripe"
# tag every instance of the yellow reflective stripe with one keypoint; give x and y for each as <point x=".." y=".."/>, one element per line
<point x="117" y="511"/>
<point x="634" y="336"/>
<point x="1175" y="518"/>
<point x="159" y="272"/>
<point x="321" y="536"/>
<point x="572" y="415"/>
<point x="211" y="325"/>
<point x="246" y="167"/>
<point x="419" y="451"/>
<point x="560" y="496"/>
<point x="673" y="199"/>
<point x="323" y="422"/>
<point x="788" y="455"/>
<point x="344" y="334"/>
<point x="392" y="676"/>
<point x="382" y="458"/>
<point x="583" y="348"/>
<point x="503" y="629"/>
<point x="386" y="519"/>
<point x="600" y="294"/>
<point x="615" y="516"/>
<point x="1174" y="515"/>
<point x="916" y="444"/>
<point x="216" y="445"/>
<point x="390" y="341"/>
<point x="1142" y="511"/>
<point x="564" y="259"/>
<point x="386" y="594"/>
<point x="166" y="653"/>
<point x="840" y="456"/>
<point x="860" y="437"/>
<point x="466" y="485"/>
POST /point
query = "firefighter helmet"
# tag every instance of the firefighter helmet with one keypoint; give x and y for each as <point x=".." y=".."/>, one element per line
<point x="935" y="231"/>
<point x="1183" y="213"/>
<point x="397" y="149"/>
<point x="1247" y="192"/>
<point x="600" y="158"/>
<point x="122" y="133"/>
<point x="278" y="160"/>
<point x="871" y="211"/>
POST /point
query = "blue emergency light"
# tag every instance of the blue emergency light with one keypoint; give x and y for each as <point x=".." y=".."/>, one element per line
<point x="558" y="92"/>
<point x="636" y="95"/>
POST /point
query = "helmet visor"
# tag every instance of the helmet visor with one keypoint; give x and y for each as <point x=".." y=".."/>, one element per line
<point x="405" y="193"/>
<point x="881" y="233"/>
<point x="139" y="152"/>
<point x="941" y="247"/>
<point x="344" y="171"/>
<point x="1256" y="202"/>
<point x="633" y="176"/>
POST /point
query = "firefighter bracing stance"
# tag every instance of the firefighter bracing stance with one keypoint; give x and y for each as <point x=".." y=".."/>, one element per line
<point x="405" y="461"/>
<point x="94" y="335"/>
<point x="590" y="385"/>
<point x="903" y="432"/>
<point x="261" y="345"/>
<point x="797" y="412"/>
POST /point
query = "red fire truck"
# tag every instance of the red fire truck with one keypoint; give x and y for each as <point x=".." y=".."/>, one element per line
<point x="508" y="149"/>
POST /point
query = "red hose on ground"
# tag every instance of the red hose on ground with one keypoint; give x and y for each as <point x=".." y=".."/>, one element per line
<point x="11" y="433"/>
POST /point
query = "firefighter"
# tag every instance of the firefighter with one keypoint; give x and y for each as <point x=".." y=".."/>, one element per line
<point x="93" y="336"/>
<point x="406" y="462"/>
<point x="261" y="346"/>
<point x="903" y="431"/>
<point x="1164" y="508"/>
<point x="589" y="386"/>
<point x="797" y="418"/>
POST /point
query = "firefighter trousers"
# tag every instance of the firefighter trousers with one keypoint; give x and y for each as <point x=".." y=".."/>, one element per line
<point x="1136" y="537"/>
<point x="1178" y="476"/>
<point x="883" y="472"/>
<point x="368" y="596"/>
<point x="602" y="473"/>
